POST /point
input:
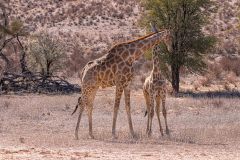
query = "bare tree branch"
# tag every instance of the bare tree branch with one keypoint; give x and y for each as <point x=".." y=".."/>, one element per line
<point x="22" y="57"/>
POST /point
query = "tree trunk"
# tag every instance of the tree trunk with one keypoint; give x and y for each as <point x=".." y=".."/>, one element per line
<point x="48" y="67"/>
<point x="6" y="60"/>
<point x="175" y="78"/>
<point x="22" y="57"/>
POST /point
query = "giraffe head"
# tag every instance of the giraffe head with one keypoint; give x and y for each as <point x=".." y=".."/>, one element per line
<point x="168" y="40"/>
<point x="166" y="35"/>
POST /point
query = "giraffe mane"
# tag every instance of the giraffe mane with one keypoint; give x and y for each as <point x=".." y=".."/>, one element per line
<point x="131" y="41"/>
<point x="143" y="37"/>
<point x="140" y="38"/>
<point x="128" y="42"/>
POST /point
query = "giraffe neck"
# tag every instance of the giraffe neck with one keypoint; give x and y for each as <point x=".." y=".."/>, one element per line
<point x="139" y="47"/>
<point x="156" y="70"/>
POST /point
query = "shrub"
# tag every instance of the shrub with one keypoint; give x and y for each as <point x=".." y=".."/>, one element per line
<point x="215" y="70"/>
<point x="207" y="80"/>
<point x="46" y="53"/>
<point x="76" y="60"/>
<point x="231" y="64"/>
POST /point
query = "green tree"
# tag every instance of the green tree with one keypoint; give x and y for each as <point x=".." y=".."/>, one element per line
<point x="185" y="19"/>
<point x="46" y="53"/>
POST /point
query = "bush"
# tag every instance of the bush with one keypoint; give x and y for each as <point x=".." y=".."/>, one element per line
<point x="76" y="60"/>
<point x="231" y="64"/>
<point x="215" y="70"/>
<point x="46" y="53"/>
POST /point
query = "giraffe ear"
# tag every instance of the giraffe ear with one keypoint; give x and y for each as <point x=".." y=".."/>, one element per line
<point x="153" y="27"/>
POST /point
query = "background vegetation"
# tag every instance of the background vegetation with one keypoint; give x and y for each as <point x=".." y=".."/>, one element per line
<point x="197" y="26"/>
<point x="185" y="19"/>
<point x="47" y="54"/>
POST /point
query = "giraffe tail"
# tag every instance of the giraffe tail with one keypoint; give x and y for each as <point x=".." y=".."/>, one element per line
<point x="79" y="103"/>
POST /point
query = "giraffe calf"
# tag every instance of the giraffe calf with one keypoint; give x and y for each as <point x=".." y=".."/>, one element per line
<point x="154" y="89"/>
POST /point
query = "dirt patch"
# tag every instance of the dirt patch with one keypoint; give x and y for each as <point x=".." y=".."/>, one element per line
<point x="41" y="127"/>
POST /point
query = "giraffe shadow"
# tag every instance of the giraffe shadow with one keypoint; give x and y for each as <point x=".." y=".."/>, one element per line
<point x="210" y="94"/>
<point x="139" y="138"/>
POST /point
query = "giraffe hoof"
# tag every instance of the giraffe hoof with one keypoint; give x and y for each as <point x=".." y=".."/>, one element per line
<point x="134" y="136"/>
<point x="114" y="137"/>
<point x="162" y="134"/>
<point x="91" y="137"/>
<point x="167" y="132"/>
<point x="149" y="133"/>
<point x="76" y="137"/>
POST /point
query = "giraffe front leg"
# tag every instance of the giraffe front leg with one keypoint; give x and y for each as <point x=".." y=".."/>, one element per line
<point x="158" y="113"/>
<point x="151" y="114"/>
<point x="118" y="96"/>
<point x="128" y="109"/>
<point x="165" y="114"/>
<point x="148" y="120"/>
<point x="147" y="99"/>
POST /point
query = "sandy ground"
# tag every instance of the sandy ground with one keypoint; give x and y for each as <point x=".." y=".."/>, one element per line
<point x="41" y="127"/>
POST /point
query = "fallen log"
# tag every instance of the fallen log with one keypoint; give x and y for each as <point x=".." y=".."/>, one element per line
<point x="35" y="83"/>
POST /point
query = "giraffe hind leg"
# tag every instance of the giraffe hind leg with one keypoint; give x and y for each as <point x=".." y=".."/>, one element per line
<point x="86" y="101"/>
<point x="79" y="119"/>
<point x="118" y="96"/>
<point x="89" y="106"/>
<point x="89" y="110"/>
<point x="128" y="109"/>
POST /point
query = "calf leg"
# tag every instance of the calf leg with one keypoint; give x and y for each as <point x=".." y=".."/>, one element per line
<point x="151" y="114"/>
<point x="158" y="113"/>
<point x="147" y="100"/>
<point x="165" y="114"/>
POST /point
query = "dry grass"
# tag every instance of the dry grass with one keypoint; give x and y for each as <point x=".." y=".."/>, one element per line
<point x="231" y="65"/>
<point x="39" y="121"/>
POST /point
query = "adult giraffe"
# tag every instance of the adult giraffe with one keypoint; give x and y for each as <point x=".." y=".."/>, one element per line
<point x="114" y="69"/>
